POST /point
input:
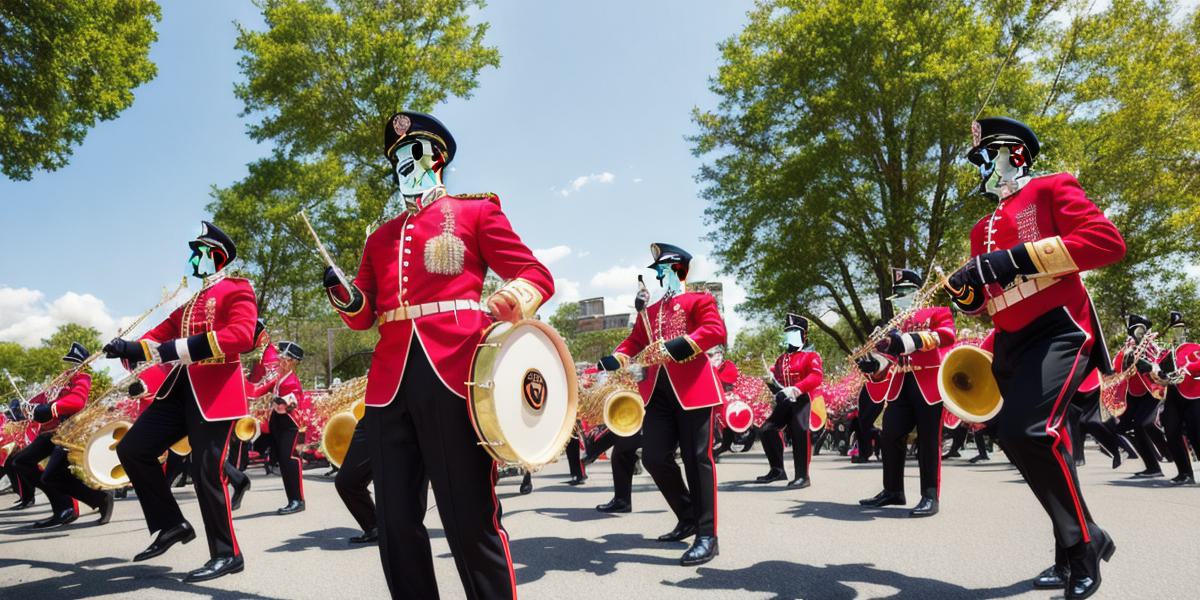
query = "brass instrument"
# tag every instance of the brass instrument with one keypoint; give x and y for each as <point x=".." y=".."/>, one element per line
<point x="616" y="401"/>
<point x="1112" y="406"/>
<point x="969" y="390"/>
<point x="341" y="411"/>
<point x="248" y="428"/>
<point x="921" y="299"/>
<point x="91" y="435"/>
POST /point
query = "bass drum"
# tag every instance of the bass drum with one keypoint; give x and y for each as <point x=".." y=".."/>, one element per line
<point x="737" y="415"/>
<point x="523" y="393"/>
<point x="96" y="464"/>
<point x="817" y="417"/>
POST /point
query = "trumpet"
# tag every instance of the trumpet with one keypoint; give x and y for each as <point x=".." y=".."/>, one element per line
<point x="969" y="390"/>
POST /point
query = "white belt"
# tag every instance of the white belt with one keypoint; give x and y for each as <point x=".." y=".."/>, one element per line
<point x="1015" y="294"/>
<point x="404" y="313"/>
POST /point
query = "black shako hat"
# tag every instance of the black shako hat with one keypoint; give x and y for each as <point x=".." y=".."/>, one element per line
<point x="290" y="350"/>
<point x="1132" y="320"/>
<point x="77" y="354"/>
<point x="906" y="278"/>
<point x="1003" y="130"/>
<point x="668" y="254"/>
<point x="796" y="322"/>
<point x="213" y="237"/>
<point x="259" y="327"/>
<point x="404" y="125"/>
<point x="1175" y="319"/>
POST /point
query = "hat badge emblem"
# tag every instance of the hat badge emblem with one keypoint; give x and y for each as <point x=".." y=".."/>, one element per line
<point x="976" y="133"/>
<point x="401" y="124"/>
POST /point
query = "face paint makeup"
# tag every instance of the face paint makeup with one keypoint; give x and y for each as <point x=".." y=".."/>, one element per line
<point x="1003" y="170"/>
<point x="669" y="279"/>
<point x="903" y="303"/>
<point x="794" y="338"/>
<point x="202" y="262"/>
<point x="415" y="172"/>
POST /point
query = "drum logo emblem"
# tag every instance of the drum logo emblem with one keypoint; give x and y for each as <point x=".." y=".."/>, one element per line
<point x="533" y="389"/>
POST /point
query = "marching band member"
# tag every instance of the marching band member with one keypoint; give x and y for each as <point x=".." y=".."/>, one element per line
<point x="1179" y="369"/>
<point x="351" y="483"/>
<point x="287" y="396"/>
<point x="420" y="280"/>
<point x="680" y="389"/>
<point x="914" y="355"/>
<point x="574" y="452"/>
<point x="1026" y="257"/>
<point x="239" y="451"/>
<point x="56" y="481"/>
<point x="202" y="398"/>
<point x="1141" y="393"/>
<point x="870" y="405"/>
<point x="623" y="461"/>
<point x="795" y="374"/>
<point x="727" y="374"/>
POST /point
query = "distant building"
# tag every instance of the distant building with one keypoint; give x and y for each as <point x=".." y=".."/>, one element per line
<point x="592" y="317"/>
<point x="713" y="287"/>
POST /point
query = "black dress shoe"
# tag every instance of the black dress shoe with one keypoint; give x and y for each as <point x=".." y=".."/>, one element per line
<point x="854" y="460"/>
<point x="214" y="568"/>
<point x="235" y="502"/>
<point x="122" y="493"/>
<point x="1148" y="473"/>
<point x="1116" y="459"/>
<point x="182" y="532"/>
<point x="106" y="509"/>
<point x="772" y="475"/>
<point x="927" y="507"/>
<point x="1054" y="577"/>
<point x="616" y="505"/>
<point x="293" y="506"/>
<point x="22" y="504"/>
<point x="681" y="532"/>
<point x="1084" y="579"/>
<point x="703" y="549"/>
<point x="367" y="537"/>
<point x="799" y="483"/>
<point x="1080" y="462"/>
<point x="979" y="458"/>
<point x="577" y="480"/>
<point x="63" y="517"/>
<point x="526" y="487"/>
<point x="1182" y="479"/>
<point x="884" y="498"/>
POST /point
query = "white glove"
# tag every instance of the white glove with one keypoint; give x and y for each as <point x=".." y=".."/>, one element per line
<point x="792" y="392"/>
<point x="638" y="372"/>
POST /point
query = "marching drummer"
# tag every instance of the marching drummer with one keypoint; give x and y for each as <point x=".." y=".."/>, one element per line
<point x="420" y="280"/>
<point x="680" y="389"/>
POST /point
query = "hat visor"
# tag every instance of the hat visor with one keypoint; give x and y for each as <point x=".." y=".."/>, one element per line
<point x="902" y="290"/>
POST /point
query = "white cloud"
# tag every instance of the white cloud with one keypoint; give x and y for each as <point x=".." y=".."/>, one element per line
<point x="623" y="278"/>
<point x="552" y="254"/>
<point x="584" y="180"/>
<point x="638" y="180"/>
<point x="27" y="318"/>
<point x="566" y="290"/>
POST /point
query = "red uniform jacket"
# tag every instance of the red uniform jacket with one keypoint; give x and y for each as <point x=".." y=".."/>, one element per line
<point x="1069" y="235"/>
<point x="70" y="400"/>
<point x="1090" y="383"/>
<point x="1186" y="357"/>
<point x="284" y="386"/>
<point x="393" y="274"/>
<point x="225" y="312"/>
<point x="268" y="363"/>
<point x="691" y="314"/>
<point x="800" y="369"/>
<point x="1138" y="384"/>
<point x="923" y="364"/>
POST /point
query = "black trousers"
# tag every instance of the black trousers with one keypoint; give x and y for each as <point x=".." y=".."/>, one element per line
<point x="1091" y="423"/>
<point x="163" y="423"/>
<point x="23" y="487"/>
<point x="959" y="438"/>
<point x="794" y="417"/>
<point x="25" y="464"/>
<point x="263" y="446"/>
<point x="728" y="436"/>
<point x="284" y="433"/>
<point x="907" y="412"/>
<point x="668" y="425"/>
<point x="424" y="436"/>
<point x="1141" y="418"/>
<point x="353" y="478"/>
<point x="1038" y="370"/>
<point x="624" y="459"/>
<point x="175" y="465"/>
<point x="868" y="435"/>
<point x="574" y="460"/>
<point x="1181" y="420"/>
<point x="58" y="477"/>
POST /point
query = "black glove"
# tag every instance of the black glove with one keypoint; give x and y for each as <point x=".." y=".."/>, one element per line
<point x="781" y="397"/>
<point x="679" y="348"/>
<point x="1001" y="266"/>
<point x="641" y="300"/>
<point x="893" y="344"/>
<point x="136" y="389"/>
<point x="42" y="413"/>
<point x="609" y="363"/>
<point x="126" y="350"/>
<point x="868" y="364"/>
<point x="1127" y="361"/>
<point x="14" y="407"/>
<point x="354" y="297"/>
<point x="1144" y="366"/>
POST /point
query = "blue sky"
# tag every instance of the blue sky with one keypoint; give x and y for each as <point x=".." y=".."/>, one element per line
<point x="581" y="131"/>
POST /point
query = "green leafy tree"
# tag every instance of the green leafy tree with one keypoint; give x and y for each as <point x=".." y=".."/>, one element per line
<point x="33" y="367"/>
<point x="318" y="84"/>
<point x="835" y="151"/>
<point x="63" y="67"/>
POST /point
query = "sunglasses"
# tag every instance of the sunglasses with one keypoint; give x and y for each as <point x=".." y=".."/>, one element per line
<point x="985" y="157"/>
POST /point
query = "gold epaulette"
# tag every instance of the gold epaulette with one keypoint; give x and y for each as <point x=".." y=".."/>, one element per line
<point x="480" y="196"/>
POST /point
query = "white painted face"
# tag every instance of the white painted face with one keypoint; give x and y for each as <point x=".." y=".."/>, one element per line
<point x="1001" y="178"/>
<point x="414" y="168"/>
<point x="716" y="357"/>
<point x="794" y="338"/>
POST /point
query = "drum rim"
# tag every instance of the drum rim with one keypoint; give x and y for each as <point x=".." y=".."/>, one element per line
<point x="498" y="446"/>
<point x="87" y="463"/>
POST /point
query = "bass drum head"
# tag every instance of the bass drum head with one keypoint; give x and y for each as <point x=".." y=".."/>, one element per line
<point x="531" y="404"/>
<point x="738" y="416"/>
<point x="100" y="456"/>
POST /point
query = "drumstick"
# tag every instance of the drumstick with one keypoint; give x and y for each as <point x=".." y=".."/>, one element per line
<point x="341" y="277"/>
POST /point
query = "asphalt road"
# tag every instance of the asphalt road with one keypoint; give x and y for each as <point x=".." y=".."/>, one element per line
<point x="990" y="538"/>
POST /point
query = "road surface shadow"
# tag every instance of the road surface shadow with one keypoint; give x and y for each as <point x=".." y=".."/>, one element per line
<point x="579" y="515"/>
<point x="789" y="580"/>
<point x="837" y="511"/>
<point x="542" y="555"/>
<point x="86" y="580"/>
<point x="334" y="538"/>
<point x="1144" y="483"/>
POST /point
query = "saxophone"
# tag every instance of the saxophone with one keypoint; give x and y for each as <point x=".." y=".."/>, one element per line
<point x="91" y="435"/>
